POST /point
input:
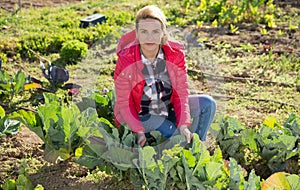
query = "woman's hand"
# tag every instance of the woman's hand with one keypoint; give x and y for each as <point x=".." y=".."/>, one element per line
<point x="186" y="133"/>
<point x="141" y="138"/>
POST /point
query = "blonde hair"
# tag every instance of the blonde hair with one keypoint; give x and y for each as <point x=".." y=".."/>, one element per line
<point x="152" y="11"/>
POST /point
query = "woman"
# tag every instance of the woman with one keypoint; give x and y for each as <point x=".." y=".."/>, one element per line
<point x="152" y="84"/>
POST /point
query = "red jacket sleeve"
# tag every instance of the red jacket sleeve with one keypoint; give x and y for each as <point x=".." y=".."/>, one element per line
<point x="180" y="88"/>
<point x="124" y="109"/>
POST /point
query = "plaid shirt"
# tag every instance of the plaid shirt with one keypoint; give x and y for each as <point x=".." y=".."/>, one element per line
<point x="158" y="88"/>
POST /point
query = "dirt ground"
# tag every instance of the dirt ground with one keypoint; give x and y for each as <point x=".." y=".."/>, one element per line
<point x="14" y="4"/>
<point x="26" y="146"/>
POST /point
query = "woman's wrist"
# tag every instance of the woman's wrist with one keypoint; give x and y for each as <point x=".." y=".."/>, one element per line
<point x="186" y="133"/>
<point x="141" y="138"/>
<point x="182" y="128"/>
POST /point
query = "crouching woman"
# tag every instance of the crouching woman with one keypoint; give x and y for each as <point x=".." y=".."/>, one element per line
<point x="151" y="83"/>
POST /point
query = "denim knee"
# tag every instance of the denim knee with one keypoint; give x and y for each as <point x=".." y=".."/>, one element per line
<point x="207" y="102"/>
<point x="202" y="114"/>
<point x="201" y="102"/>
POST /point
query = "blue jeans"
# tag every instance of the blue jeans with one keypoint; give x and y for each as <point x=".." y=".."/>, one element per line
<point x="202" y="111"/>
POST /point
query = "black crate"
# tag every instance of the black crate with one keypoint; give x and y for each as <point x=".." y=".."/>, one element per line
<point x="92" y="20"/>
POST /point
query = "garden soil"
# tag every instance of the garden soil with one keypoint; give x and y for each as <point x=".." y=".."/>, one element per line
<point x="26" y="146"/>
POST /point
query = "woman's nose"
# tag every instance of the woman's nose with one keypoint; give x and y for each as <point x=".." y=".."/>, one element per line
<point x="150" y="36"/>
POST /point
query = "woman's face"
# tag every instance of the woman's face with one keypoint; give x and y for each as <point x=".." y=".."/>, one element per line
<point x="150" y="34"/>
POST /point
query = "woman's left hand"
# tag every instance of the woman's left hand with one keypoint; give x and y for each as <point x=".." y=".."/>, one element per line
<point x="141" y="138"/>
<point x="186" y="133"/>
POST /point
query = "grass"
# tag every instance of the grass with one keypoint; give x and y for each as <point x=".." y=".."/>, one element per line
<point x="95" y="70"/>
<point x="253" y="101"/>
<point x="53" y="26"/>
<point x="242" y="100"/>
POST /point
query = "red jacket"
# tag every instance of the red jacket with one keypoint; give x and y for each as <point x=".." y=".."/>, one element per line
<point x="129" y="82"/>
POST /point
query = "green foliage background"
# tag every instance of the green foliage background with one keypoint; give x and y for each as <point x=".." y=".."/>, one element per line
<point x="46" y="30"/>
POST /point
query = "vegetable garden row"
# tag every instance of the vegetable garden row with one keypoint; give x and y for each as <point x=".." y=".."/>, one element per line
<point x="81" y="129"/>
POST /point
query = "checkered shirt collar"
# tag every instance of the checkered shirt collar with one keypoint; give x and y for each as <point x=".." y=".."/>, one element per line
<point x="146" y="61"/>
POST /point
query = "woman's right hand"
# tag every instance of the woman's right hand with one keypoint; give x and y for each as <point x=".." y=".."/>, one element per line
<point x="141" y="138"/>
